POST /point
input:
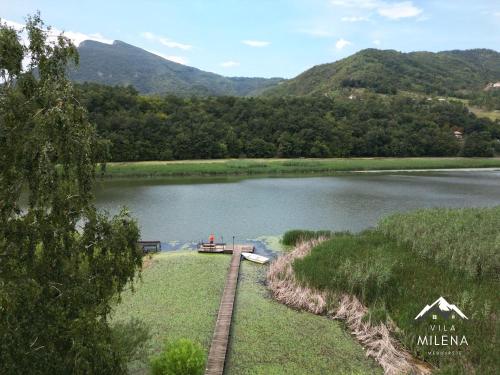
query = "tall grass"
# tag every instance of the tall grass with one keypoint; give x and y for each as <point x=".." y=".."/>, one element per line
<point x="410" y="261"/>
<point x="294" y="236"/>
<point x="465" y="240"/>
<point x="239" y="167"/>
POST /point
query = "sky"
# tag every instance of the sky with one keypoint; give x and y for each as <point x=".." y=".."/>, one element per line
<point x="265" y="38"/>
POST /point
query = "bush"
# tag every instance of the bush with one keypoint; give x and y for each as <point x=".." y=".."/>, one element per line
<point x="181" y="357"/>
<point x="293" y="237"/>
<point x="129" y="339"/>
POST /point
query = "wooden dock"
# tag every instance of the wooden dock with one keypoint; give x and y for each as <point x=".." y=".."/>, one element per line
<point x="220" y="339"/>
<point x="224" y="249"/>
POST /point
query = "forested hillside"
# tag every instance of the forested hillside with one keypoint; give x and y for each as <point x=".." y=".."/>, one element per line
<point x="451" y="73"/>
<point x="164" y="128"/>
<point x="123" y="64"/>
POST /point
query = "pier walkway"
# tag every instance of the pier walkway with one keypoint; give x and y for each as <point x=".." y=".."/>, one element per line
<point x="220" y="339"/>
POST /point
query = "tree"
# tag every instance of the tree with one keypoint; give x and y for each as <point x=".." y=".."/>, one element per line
<point x="478" y="144"/>
<point x="62" y="262"/>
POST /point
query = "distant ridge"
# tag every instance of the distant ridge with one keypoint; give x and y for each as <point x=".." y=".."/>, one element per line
<point x="388" y="71"/>
<point x="124" y="64"/>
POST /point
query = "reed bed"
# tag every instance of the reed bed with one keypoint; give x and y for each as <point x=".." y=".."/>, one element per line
<point x="407" y="262"/>
<point x="376" y="339"/>
<point x="465" y="239"/>
<point x="250" y="167"/>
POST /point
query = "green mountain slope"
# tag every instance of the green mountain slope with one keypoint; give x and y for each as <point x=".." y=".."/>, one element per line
<point x="123" y="64"/>
<point x="387" y="71"/>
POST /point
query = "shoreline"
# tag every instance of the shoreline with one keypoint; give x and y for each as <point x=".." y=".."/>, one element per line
<point x="292" y="167"/>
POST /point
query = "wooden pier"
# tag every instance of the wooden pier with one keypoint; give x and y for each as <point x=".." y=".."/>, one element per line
<point x="219" y="248"/>
<point x="220" y="339"/>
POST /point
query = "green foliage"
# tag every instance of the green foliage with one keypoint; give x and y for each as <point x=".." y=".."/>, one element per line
<point x="62" y="262"/>
<point x="412" y="259"/>
<point x="478" y="144"/>
<point x="129" y="339"/>
<point x="489" y="100"/>
<point x="163" y="128"/>
<point x="293" y="237"/>
<point x="122" y="64"/>
<point x="451" y="73"/>
<point x="181" y="357"/>
<point x="466" y="240"/>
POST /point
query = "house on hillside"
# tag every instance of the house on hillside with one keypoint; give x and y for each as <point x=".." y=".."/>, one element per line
<point x="458" y="134"/>
<point x="492" y="86"/>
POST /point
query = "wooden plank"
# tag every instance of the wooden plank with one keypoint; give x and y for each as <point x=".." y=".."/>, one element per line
<point x="220" y="339"/>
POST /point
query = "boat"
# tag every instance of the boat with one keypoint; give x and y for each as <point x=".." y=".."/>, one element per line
<point x="255" y="258"/>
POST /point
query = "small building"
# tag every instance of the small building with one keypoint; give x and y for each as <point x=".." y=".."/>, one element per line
<point x="458" y="134"/>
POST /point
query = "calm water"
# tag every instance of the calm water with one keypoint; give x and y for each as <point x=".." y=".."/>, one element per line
<point x="188" y="210"/>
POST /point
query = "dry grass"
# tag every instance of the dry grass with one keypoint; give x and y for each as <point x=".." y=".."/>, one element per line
<point x="376" y="339"/>
<point x="286" y="289"/>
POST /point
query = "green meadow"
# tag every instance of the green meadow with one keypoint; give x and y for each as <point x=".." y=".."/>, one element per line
<point x="242" y="167"/>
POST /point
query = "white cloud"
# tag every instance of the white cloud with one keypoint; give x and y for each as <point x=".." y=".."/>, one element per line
<point x="256" y="43"/>
<point x="354" y="19"/>
<point x="178" y="59"/>
<point x="15" y="25"/>
<point x="166" y="41"/>
<point x="341" y="43"/>
<point x="377" y="42"/>
<point x="76" y="36"/>
<point x="388" y="9"/>
<point x="399" y="10"/>
<point x="496" y="14"/>
<point x="367" y="4"/>
<point x="230" y="64"/>
<point x="318" y="33"/>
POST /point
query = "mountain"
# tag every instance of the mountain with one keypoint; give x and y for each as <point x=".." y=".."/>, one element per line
<point x="123" y="64"/>
<point x="387" y="71"/>
<point x="441" y="307"/>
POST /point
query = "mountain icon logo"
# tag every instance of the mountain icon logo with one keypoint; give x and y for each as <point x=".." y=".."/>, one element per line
<point x="443" y="308"/>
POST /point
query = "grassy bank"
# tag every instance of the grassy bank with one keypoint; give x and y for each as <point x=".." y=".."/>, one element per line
<point x="269" y="338"/>
<point x="411" y="260"/>
<point x="242" y="167"/>
<point x="178" y="297"/>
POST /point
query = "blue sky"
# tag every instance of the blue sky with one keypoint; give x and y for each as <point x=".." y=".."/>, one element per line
<point x="270" y="38"/>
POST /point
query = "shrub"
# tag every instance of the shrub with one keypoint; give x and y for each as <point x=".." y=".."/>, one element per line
<point x="293" y="237"/>
<point x="129" y="338"/>
<point x="181" y="357"/>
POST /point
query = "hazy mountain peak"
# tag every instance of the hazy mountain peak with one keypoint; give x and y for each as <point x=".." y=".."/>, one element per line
<point x="124" y="64"/>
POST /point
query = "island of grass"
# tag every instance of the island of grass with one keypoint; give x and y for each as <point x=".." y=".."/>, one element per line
<point x="248" y="167"/>
<point x="408" y="262"/>
<point x="179" y="295"/>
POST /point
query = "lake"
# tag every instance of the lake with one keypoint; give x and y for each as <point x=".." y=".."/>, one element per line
<point x="188" y="210"/>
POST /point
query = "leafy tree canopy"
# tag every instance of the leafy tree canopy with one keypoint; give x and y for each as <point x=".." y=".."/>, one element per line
<point x="61" y="261"/>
